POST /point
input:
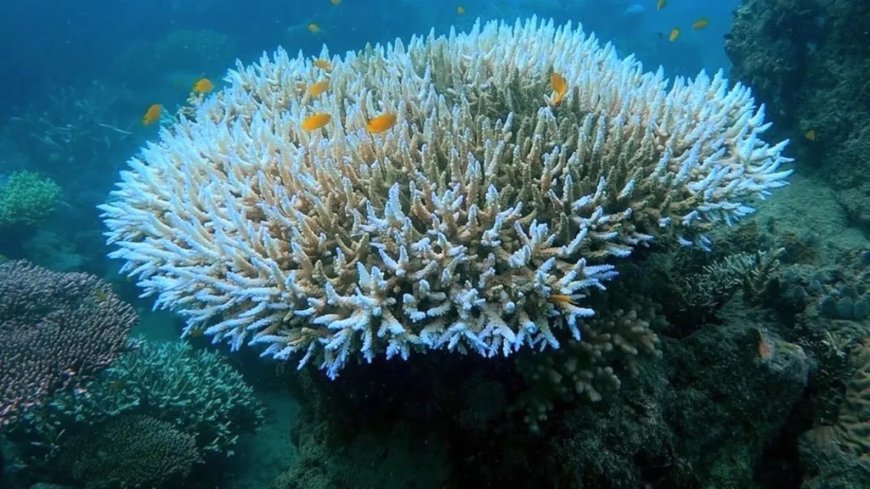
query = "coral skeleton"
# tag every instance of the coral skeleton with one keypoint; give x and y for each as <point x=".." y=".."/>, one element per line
<point x="480" y="222"/>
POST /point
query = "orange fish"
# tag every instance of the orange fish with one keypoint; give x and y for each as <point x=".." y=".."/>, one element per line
<point x="561" y="299"/>
<point x="560" y="88"/>
<point x="381" y="123"/>
<point x="660" y="4"/>
<point x="675" y="33"/>
<point x="315" y="121"/>
<point x="203" y="85"/>
<point x="335" y="2"/>
<point x="323" y="64"/>
<point x="460" y="10"/>
<point x="313" y="28"/>
<point x="152" y="115"/>
<point x="810" y="135"/>
<point x="318" y="88"/>
<point x="700" y="23"/>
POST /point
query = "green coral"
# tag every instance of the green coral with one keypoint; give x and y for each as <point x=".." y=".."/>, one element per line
<point x="27" y="199"/>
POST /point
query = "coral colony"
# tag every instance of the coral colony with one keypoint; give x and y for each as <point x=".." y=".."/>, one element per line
<point x="56" y="330"/>
<point x="479" y="222"/>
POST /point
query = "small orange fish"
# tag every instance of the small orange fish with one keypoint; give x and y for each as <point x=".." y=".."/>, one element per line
<point x="318" y="88"/>
<point x="561" y="299"/>
<point x="313" y="28"/>
<point x="674" y="35"/>
<point x="661" y="4"/>
<point x="323" y="64"/>
<point x="700" y="23"/>
<point x="460" y="10"/>
<point x="381" y="123"/>
<point x="335" y="2"/>
<point x="203" y="85"/>
<point x="810" y="135"/>
<point x="315" y="121"/>
<point x="560" y="88"/>
<point x="152" y="115"/>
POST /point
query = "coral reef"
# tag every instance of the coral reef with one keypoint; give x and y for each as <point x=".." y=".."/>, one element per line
<point x="56" y="329"/>
<point x="703" y="293"/>
<point x="27" y="199"/>
<point x="702" y="417"/>
<point x="196" y="391"/>
<point x="810" y="58"/>
<point x="130" y="452"/>
<point x="834" y="291"/>
<point x="838" y="455"/>
<point x="479" y="223"/>
<point x="681" y="424"/>
<point x="612" y="343"/>
<point x="401" y="457"/>
<point x="842" y="292"/>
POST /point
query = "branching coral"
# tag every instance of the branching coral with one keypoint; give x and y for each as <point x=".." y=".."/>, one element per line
<point x="196" y="391"/>
<point x="131" y="452"/>
<point x="56" y="330"/>
<point x="27" y="199"/>
<point x="702" y="293"/>
<point x="478" y="223"/>
<point x="612" y="343"/>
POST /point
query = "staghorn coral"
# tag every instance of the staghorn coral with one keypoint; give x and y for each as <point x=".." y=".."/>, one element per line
<point x="27" y="199"/>
<point x="479" y="223"/>
<point x="131" y="451"/>
<point x="56" y="329"/>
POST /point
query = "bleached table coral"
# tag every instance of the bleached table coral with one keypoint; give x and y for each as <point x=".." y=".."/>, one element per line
<point x="524" y="160"/>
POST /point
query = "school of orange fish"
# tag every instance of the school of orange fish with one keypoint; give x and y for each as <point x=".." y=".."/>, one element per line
<point x="385" y="121"/>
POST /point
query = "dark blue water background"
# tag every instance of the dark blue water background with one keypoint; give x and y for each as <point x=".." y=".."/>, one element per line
<point x="45" y="45"/>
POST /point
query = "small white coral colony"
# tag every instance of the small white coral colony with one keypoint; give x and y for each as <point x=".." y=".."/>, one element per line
<point x="478" y="222"/>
